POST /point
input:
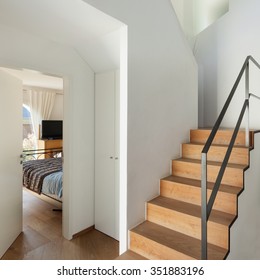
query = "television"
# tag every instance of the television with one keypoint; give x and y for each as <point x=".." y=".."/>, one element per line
<point x="51" y="129"/>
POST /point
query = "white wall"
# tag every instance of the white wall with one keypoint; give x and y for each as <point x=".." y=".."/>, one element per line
<point x="21" y="50"/>
<point x="162" y="94"/>
<point x="181" y="13"/>
<point x="57" y="110"/>
<point x="196" y="15"/>
<point x="207" y="11"/>
<point x="220" y="52"/>
<point x="104" y="54"/>
<point x="245" y="232"/>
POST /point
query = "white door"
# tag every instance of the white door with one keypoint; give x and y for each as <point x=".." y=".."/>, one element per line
<point x="10" y="167"/>
<point x="106" y="157"/>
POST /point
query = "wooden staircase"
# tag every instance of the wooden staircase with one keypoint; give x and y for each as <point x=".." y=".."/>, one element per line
<point x="172" y="229"/>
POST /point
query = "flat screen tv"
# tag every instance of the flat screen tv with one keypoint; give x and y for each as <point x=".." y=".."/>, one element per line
<point x="51" y="129"/>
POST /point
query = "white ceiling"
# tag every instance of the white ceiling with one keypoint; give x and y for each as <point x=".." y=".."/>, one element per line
<point x="75" y="23"/>
<point x="35" y="78"/>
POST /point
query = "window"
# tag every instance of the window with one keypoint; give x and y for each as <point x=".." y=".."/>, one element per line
<point x="29" y="139"/>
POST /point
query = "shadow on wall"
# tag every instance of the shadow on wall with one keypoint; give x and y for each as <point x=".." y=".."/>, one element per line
<point x="208" y="77"/>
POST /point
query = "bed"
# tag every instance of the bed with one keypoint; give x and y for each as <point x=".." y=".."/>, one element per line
<point x="43" y="176"/>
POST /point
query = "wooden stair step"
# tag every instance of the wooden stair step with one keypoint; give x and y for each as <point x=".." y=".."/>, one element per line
<point x="191" y="168"/>
<point x="192" y="210"/>
<point x="130" y="255"/>
<point x="157" y="242"/>
<point x="223" y="136"/>
<point x="239" y="154"/>
<point x="186" y="218"/>
<point x="189" y="190"/>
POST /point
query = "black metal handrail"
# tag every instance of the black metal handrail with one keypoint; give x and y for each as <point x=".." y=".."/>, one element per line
<point x="253" y="95"/>
<point x="207" y="205"/>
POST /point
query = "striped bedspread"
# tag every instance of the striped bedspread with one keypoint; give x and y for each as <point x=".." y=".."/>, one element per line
<point x="34" y="172"/>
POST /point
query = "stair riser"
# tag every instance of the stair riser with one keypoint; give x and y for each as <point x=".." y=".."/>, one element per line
<point x="153" y="250"/>
<point x="232" y="176"/>
<point x="216" y="153"/>
<point x="222" y="137"/>
<point x="225" y="202"/>
<point x="189" y="225"/>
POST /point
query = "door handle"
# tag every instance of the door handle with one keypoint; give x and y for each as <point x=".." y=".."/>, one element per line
<point x="21" y="158"/>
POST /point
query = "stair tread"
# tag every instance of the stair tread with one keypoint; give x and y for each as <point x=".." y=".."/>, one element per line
<point x="197" y="183"/>
<point x="216" y="145"/>
<point x="223" y="135"/>
<point x="177" y="241"/>
<point x="216" y="216"/>
<point x="223" y="129"/>
<point x="213" y="163"/>
<point x="130" y="255"/>
<point x="217" y="152"/>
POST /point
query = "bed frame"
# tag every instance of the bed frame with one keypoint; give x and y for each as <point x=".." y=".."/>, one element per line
<point x="41" y="153"/>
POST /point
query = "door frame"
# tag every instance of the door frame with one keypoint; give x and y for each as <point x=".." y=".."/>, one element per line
<point x="14" y="61"/>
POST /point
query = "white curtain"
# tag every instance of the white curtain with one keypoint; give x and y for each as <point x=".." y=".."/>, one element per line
<point x="41" y="105"/>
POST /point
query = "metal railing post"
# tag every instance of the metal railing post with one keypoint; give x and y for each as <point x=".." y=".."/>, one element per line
<point x="247" y="107"/>
<point x="204" y="217"/>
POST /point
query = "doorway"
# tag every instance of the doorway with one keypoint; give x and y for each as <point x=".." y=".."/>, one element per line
<point x="46" y="92"/>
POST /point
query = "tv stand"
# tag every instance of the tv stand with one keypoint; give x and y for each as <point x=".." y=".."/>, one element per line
<point x="49" y="144"/>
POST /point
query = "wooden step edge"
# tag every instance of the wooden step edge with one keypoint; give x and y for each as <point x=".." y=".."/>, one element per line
<point x="197" y="184"/>
<point x="237" y="146"/>
<point x="184" y="244"/>
<point x="239" y="155"/>
<point x="211" y="163"/>
<point x="130" y="255"/>
<point x="226" y="200"/>
<point x="216" y="145"/>
<point x="225" y="129"/>
<point x="240" y="135"/>
<point x="252" y="138"/>
<point x="217" y="217"/>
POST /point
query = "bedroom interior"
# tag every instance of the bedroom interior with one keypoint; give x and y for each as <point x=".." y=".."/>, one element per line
<point x="42" y="171"/>
<point x="42" y="190"/>
<point x="42" y="137"/>
<point x="42" y="154"/>
<point x="42" y="182"/>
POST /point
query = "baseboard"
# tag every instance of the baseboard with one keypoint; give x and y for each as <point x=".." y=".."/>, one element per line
<point x="84" y="231"/>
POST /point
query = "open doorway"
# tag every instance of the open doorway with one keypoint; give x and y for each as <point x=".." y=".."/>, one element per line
<point x="42" y="102"/>
<point x="42" y="236"/>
